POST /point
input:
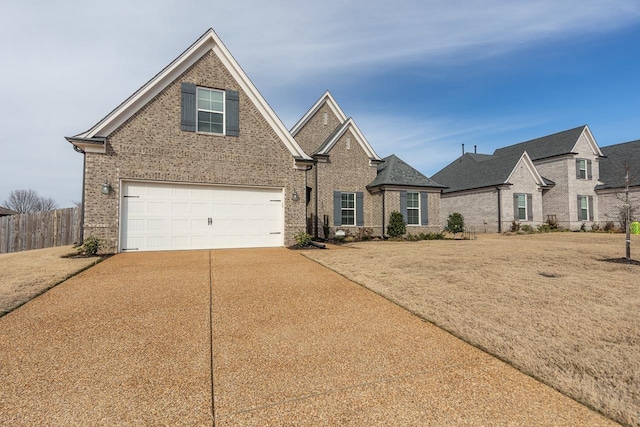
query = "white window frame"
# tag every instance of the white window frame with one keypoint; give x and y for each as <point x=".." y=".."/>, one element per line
<point x="523" y="197"/>
<point x="585" y="200"/>
<point x="413" y="208"/>
<point x="580" y="169"/>
<point x="223" y="112"/>
<point x="342" y="209"/>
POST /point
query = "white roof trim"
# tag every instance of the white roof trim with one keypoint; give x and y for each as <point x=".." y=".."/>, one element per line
<point x="350" y="123"/>
<point x="209" y="41"/>
<point x="591" y="141"/>
<point x="325" y="98"/>
<point x="530" y="166"/>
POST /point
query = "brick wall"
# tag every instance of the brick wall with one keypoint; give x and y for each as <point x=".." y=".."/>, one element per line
<point x="479" y="209"/>
<point x="392" y="203"/>
<point x="315" y="131"/>
<point x="151" y="146"/>
<point x="610" y="203"/>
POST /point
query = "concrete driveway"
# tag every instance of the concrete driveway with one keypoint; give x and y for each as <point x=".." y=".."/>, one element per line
<point x="248" y="337"/>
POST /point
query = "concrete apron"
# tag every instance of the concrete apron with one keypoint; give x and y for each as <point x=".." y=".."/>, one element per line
<point x="129" y="342"/>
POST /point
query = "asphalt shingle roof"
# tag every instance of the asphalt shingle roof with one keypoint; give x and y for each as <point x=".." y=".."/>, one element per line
<point x="613" y="166"/>
<point x="476" y="171"/>
<point x="394" y="171"/>
<point x="546" y="146"/>
<point x="5" y="211"/>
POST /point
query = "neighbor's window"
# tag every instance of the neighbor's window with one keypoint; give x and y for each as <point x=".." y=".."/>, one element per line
<point x="522" y="207"/>
<point x="583" y="215"/>
<point x="413" y="208"/>
<point x="582" y="169"/>
<point x="348" y="208"/>
<point x="210" y="111"/>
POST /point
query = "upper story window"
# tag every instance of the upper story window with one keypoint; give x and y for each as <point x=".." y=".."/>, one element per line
<point x="413" y="208"/>
<point x="210" y="111"/>
<point x="583" y="169"/>
<point x="348" y="209"/>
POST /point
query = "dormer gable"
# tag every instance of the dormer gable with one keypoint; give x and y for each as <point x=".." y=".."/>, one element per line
<point x="349" y="126"/>
<point x="323" y="119"/>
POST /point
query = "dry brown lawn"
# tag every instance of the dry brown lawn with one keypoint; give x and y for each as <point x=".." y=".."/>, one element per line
<point x="25" y="275"/>
<point x="546" y="303"/>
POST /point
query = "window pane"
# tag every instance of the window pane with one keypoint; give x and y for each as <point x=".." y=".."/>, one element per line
<point x="348" y="217"/>
<point x="582" y="164"/>
<point x="209" y="122"/>
<point x="412" y="200"/>
<point x="522" y="214"/>
<point x="522" y="200"/>
<point x="348" y="200"/>
<point x="413" y="217"/>
<point x="211" y="100"/>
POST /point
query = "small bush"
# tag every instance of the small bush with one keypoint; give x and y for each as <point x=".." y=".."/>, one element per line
<point x="515" y="226"/>
<point x="544" y="228"/>
<point x="365" y="233"/>
<point x="302" y="239"/>
<point x="609" y="227"/>
<point x="583" y="226"/>
<point x="91" y="246"/>
<point x="397" y="226"/>
<point x="552" y="223"/>
<point x="527" y="229"/>
<point x="455" y="223"/>
<point x="595" y="227"/>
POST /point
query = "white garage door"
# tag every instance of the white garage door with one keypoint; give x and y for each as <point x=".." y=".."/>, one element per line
<point x="159" y="216"/>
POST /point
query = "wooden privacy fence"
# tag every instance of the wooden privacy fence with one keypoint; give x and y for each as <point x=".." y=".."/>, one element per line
<point x="39" y="230"/>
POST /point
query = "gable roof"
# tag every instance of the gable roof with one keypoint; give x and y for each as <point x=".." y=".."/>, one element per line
<point x="4" y="211"/>
<point x="350" y="124"/>
<point x="472" y="171"/>
<point x="553" y="145"/>
<point x="613" y="166"/>
<point x="95" y="136"/>
<point x="326" y="98"/>
<point x="394" y="171"/>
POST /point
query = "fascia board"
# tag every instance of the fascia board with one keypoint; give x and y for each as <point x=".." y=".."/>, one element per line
<point x="592" y="142"/>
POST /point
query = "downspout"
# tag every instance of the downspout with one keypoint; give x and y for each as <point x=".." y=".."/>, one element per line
<point x="499" y="211"/>
<point x="315" y="220"/>
<point x="383" y="212"/>
<point x="306" y="209"/>
<point x="84" y="173"/>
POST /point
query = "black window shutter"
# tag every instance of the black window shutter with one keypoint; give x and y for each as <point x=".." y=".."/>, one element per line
<point x="577" y="168"/>
<point x="424" y="208"/>
<point x="403" y="205"/>
<point x="188" y="107"/>
<point x="337" y="208"/>
<point x="589" y="175"/>
<point x="359" y="209"/>
<point x="529" y="207"/>
<point x="590" y="208"/>
<point x="516" y="214"/>
<point x="232" y="112"/>
<point x="580" y="209"/>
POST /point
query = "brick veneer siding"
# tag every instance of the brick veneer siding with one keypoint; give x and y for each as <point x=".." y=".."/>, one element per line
<point x="522" y="182"/>
<point x="392" y="203"/>
<point x="348" y="170"/>
<point x="151" y="146"/>
<point x="315" y="132"/>
<point x="479" y="209"/>
<point x="561" y="199"/>
<point x="611" y="202"/>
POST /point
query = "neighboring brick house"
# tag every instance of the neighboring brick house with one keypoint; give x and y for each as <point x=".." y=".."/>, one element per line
<point x="619" y="159"/>
<point x="350" y="187"/>
<point x="195" y="158"/>
<point x="491" y="192"/>
<point x="567" y="161"/>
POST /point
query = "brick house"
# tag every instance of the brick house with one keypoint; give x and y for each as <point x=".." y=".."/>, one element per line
<point x="351" y="189"/>
<point x="493" y="191"/>
<point x="619" y="159"/>
<point x="196" y="158"/>
<point x="568" y="163"/>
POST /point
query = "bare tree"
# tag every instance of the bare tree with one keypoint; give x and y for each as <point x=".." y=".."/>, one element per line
<point x="23" y="201"/>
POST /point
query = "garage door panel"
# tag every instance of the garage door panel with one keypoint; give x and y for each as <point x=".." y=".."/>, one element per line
<point x="162" y="216"/>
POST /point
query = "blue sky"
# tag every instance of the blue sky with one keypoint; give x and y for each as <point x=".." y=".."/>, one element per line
<point x="420" y="78"/>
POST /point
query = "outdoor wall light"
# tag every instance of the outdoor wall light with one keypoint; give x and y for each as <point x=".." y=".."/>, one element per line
<point x="106" y="188"/>
<point x="295" y="195"/>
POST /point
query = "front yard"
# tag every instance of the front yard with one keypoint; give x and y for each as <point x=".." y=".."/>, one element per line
<point x="25" y="275"/>
<point x="548" y="304"/>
